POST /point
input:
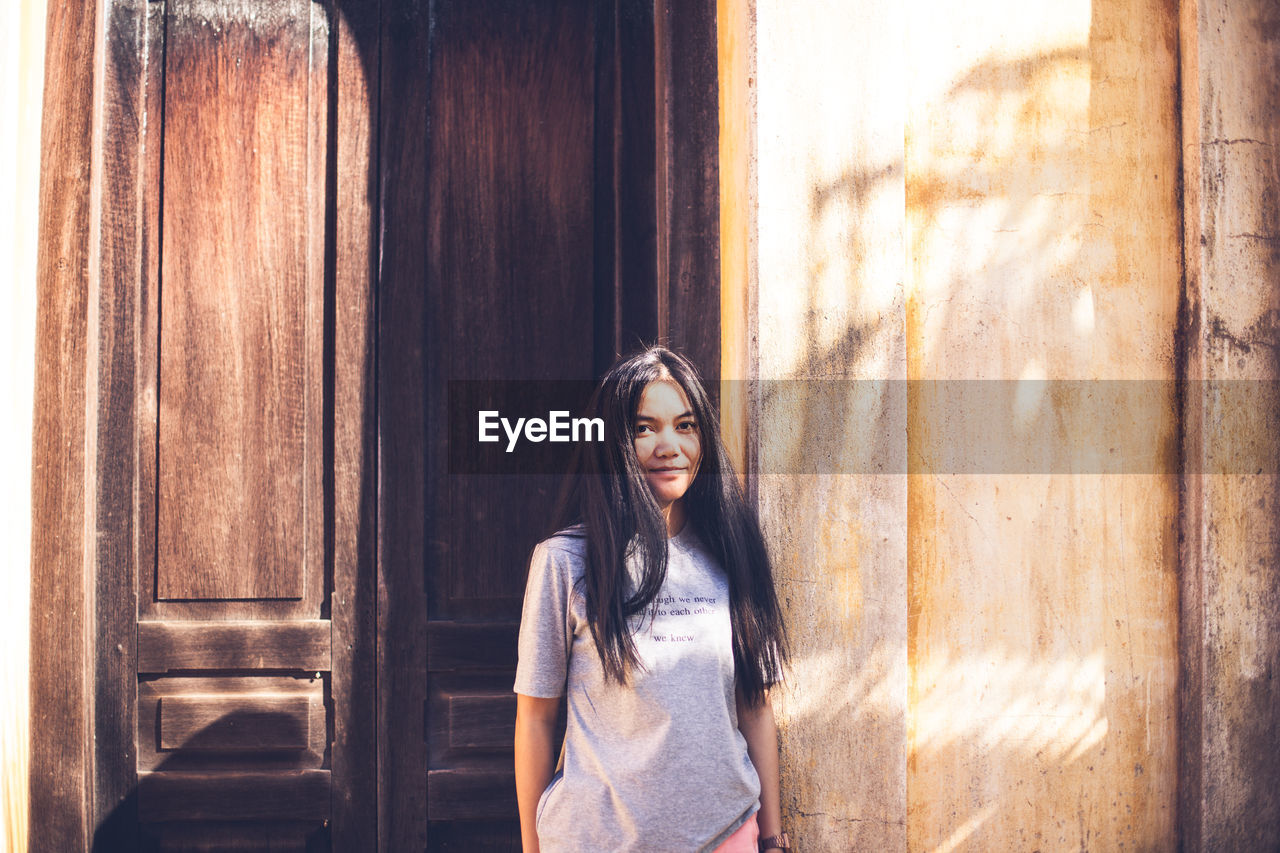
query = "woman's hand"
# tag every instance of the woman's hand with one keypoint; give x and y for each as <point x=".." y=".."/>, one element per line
<point x="535" y="760"/>
<point x="761" y="732"/>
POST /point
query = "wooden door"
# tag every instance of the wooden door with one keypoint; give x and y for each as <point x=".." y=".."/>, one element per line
<point x="252" y="652"/>
<point x="546" y="207"/>
<point x="266" y="615"/>
<point x="228" y="640"/>
<point x="501" y="287"/>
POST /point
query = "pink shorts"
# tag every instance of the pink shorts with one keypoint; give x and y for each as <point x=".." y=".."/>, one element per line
<point x="743" y="840"/>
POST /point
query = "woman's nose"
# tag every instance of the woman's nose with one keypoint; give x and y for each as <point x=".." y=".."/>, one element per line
<point x="666" y="445"/>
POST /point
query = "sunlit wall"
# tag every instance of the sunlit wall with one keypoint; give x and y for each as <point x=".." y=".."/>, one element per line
<point x="976" y="191"/>
<point x="831" y="103"/>
<point x="21" y="78"/>
<point x="1042" y="196"/>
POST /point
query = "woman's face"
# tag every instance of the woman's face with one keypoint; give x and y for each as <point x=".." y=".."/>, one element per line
<point x="668" y="441"/>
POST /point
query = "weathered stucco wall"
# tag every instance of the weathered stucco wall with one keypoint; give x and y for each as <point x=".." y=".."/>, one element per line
<point x="990" y="190"/>
<point x="1042" y="194"/>
<point x="830" y="214"/>
<point x="1230" y="723"/>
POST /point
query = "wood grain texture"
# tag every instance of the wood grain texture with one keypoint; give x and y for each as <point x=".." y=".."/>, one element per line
<point x="470" y="646"/>
<point x="165" y="646"/>
<point x="147" y="356"/>
<point x="212" y="708"/>
<point x="498" y="836"/>
<point x="244" y="796"/>
<point x="688" y="180"/>
<point x="626" y="226"/>
<point x="237" y="373"/>
<point x="112" y="370"/>
<point x="481" y="720"/>
<point x="510" y="244"/>
<point x="60" y="759"/>
<point x="404" y="81"/>
<point x="312" y="603"/>
<point x="240" y="837"/>
<point x="472" y="794"/>
<point x="118" y="179"/>
<point x="234" y="722"/>
<point x="515" y="292"/>
<point x="508" y="169"/>
<point x="351" y="459"/>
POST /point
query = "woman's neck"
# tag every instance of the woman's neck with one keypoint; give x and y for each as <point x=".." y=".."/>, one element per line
<point x="676" y="517"/>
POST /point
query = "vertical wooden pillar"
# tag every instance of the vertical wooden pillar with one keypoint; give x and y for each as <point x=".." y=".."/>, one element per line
<point x="350" y="364"/>
<point x="117" y="258"/>
<point x="404" y="80"/>
<point x="688" y="178"/>
<point x="61" y="759"/>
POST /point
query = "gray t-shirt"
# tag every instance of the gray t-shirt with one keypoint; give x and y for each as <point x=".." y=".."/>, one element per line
<point x="658" y="764"/>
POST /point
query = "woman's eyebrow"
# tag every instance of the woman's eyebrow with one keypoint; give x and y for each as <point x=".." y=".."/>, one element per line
<point x="654" y="417"/>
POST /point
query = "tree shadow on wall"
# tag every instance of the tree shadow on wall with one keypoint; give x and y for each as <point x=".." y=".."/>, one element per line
<point x="1016" y="227"/>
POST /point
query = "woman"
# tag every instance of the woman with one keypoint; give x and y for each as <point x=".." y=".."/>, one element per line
<point x="655" y="617"/>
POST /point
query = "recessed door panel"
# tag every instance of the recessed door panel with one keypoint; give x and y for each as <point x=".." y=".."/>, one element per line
<point x="239" y="383"/>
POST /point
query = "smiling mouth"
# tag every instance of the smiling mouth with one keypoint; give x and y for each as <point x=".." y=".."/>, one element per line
<point x="664" y="470"/>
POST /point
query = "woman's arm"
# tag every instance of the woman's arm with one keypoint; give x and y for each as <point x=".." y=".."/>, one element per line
<point x="757" y="726"/>
<point x="535" y="760"/>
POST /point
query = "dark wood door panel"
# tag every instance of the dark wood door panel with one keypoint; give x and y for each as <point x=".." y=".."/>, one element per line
<point x="180" y="796"/>
<point x="233" y="723"/>
<point x="546" y="256"/>
<point x="234" y="295"/>
<point x="472" y="793"/>
<point x="510" y="176"/>
<point x="470" y="720"/>
<point x="236" y="722"/>
<point x="228" y="462"/>
<point x="480" y="719"/>
<point x="494" y="521"/>
<point x="511" y="172"/>
<point x="466" y="646"/>
<point x="193" y="645"/>
<point x="243" y="837"/>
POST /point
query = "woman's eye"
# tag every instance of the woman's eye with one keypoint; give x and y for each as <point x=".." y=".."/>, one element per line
<point x="688" y="426"/>
<point x="641" y="428"/>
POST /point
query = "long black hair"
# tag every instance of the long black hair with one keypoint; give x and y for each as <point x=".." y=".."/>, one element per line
<point x="610" y="497"/>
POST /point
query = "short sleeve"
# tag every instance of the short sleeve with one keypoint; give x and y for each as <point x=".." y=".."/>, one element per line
<point x="544" y="625"/>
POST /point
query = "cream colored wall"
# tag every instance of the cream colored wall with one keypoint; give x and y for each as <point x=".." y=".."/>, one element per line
<point x="831" y="100"/>
<point x="1042" y="197"/>
<point x="971" y="191"/>
<point x="21" y="81"/>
